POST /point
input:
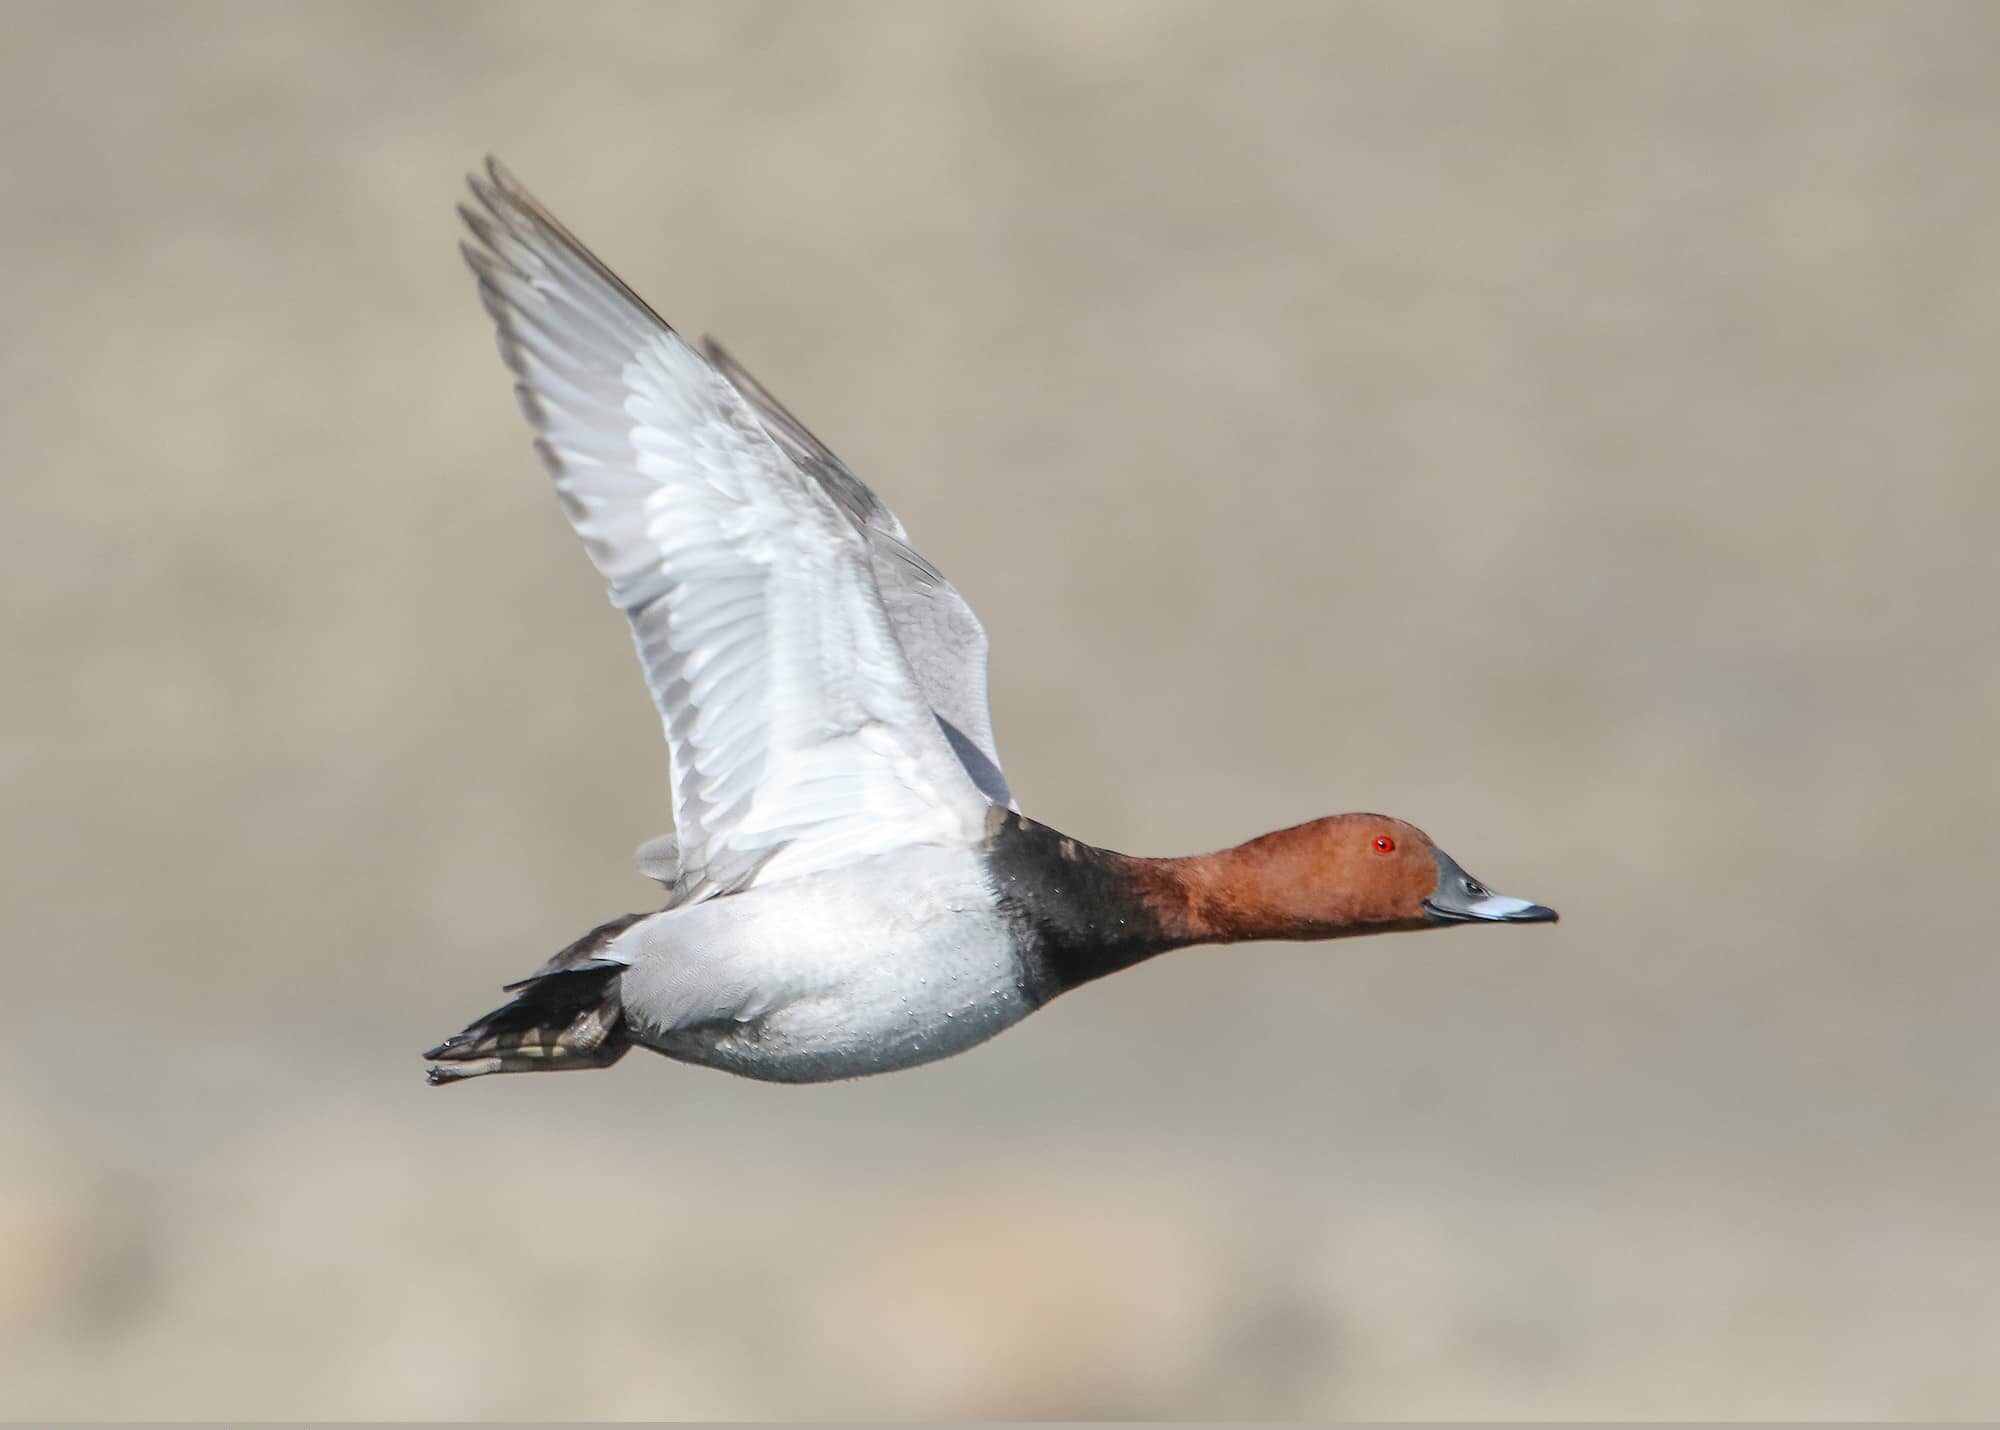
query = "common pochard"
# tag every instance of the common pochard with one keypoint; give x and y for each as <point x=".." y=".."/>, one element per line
<point x="851" y="887"/>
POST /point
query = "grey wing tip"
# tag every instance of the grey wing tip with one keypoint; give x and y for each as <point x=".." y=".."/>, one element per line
<point x="499" y="193"/>
<point x="502" y="177"/>
<point x="482" y="190"/>
<point x="528" y="219"/>
<point x="491" y="174"/>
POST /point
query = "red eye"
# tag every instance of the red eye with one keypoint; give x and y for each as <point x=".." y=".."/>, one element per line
<point x="1384" y="844"/>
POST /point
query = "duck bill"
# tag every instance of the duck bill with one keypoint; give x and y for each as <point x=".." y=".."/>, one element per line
<point x="1462" y="899"/>
<point x="1491" y="909"/>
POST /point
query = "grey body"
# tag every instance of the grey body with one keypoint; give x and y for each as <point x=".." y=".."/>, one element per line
<point x="880" y="965"/>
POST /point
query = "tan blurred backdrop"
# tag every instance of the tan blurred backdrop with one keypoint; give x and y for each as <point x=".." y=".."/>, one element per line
<point x="1571" y="427"/>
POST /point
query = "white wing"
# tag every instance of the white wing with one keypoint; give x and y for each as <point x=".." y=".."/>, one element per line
<point x="940" y="635"/>
<point x="797" y="738"/>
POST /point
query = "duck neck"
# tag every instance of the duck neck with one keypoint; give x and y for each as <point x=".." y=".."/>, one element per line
<point x="1083" y="912"/>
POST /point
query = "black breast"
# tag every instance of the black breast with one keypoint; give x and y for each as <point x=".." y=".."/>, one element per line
<point x="1078" y="912"/>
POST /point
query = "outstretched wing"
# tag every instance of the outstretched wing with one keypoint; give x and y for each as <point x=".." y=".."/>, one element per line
<point x="797" y="736"/>
<point x="940" y="635"/>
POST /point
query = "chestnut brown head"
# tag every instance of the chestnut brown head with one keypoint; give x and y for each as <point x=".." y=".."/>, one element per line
<point x="1347" y="874"/>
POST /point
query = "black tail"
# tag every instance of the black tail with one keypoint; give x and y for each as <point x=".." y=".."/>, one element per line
<point x="566" y="1015"/>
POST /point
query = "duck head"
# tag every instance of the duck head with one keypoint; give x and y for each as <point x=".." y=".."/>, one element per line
<point x="1342" y="875"/>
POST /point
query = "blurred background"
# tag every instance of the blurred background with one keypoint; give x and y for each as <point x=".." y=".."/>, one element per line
<point x="1569" y="427"/>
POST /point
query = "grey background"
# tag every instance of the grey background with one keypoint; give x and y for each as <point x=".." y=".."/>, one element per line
<point x="1570" y="427"/>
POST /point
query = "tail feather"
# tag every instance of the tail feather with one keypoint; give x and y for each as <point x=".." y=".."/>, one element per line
<point x="568" y="1015"/>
